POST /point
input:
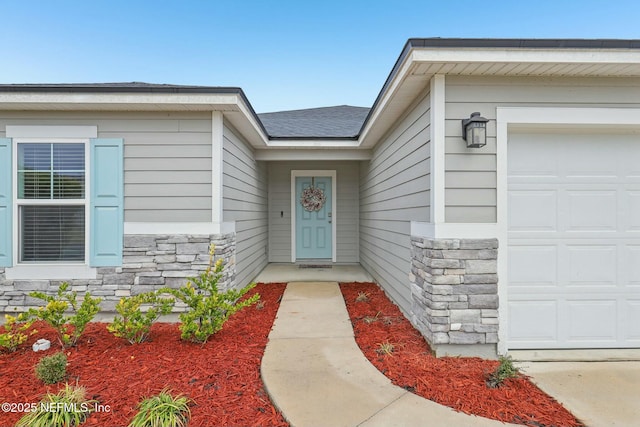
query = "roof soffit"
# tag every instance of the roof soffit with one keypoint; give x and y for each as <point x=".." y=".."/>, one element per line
<point x="417" y="65"/>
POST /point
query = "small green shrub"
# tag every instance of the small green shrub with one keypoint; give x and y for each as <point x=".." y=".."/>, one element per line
<point x="133" y="324"/>
<point x="52" y="369"/>
<point x="162" y="410"/>
<point x="14" y="331"/>
<point x="67" y="408"/>
<point x="505" y="370"/>
<point x="71" y="327"/>
<point x="207" y="308"/>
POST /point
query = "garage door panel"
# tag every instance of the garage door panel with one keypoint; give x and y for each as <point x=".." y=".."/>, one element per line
<point x="633" y="210"/>
<point x="591" y="210"/>
<point x="632" y="264"/>
<point x="524" y="162"/>
<point x="591" y="265"/>
<point x="532" y="210"/>
<point x="574" y="240"/>
<point x="591" y="321"/>
<point x="524" y="262"/>
<point x="536" y="321"/>
<point x="599" y="161"/>
<point x="631" y="320"/>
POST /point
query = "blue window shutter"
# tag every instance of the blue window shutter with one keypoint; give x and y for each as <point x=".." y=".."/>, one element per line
<point x="6" y="203"/>
<point x="107" y="201"/>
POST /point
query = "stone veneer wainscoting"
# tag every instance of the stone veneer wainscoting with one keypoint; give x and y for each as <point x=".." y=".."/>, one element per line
<point x="454" y="294"/>
<point x="150" y="262"/>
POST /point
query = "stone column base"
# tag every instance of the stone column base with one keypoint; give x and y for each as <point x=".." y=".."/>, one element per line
<point x="454" y="295"/>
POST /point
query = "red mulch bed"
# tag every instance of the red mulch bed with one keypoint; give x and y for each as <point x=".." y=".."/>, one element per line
<point x="222" y="377"/>
<point x="456" y="382"/>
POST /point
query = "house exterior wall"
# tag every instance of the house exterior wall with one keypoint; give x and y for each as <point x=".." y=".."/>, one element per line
<point x="167" y="166"/>
<point x="470" y="175"/>
<point x="167" y="179"/>
<point x="280" y="201"/>
<point x="394" y="190"/>
<point x="244" y="189"/>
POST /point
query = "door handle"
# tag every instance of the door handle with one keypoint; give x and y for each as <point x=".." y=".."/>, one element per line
<point x="329" y="221"/>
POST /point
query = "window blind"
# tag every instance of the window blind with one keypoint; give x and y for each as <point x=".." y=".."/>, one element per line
<point x="51" y="171"/>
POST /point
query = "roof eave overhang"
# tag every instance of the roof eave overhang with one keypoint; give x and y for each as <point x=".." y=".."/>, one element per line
<point x="233" y="105"/>
<point x="416" y="66"/>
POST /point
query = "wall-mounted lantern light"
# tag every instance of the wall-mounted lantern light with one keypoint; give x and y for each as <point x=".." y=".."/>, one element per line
<point x="474" y="130"/>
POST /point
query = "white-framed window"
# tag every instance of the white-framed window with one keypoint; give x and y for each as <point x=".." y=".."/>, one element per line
<point x="51" y="181"/>
<point x="61" y="202"/>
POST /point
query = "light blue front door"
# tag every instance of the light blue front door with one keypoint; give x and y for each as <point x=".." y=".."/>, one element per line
<point x="313" y="228"/>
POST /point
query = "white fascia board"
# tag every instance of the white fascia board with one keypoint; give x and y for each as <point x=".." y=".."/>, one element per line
<point x="263" y="139"/>
<point x="314" y="143"/>
<point x="386" y="97"/>
<point x="312" y="154"/>
<point x="520" y="55"/>
<point x="226" y="101"/>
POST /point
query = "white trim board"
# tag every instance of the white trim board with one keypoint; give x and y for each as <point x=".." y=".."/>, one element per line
<point x="437" y="155"/>
<point x="27" y="270"/>
<point x="48" y="132"/>
<point x="334" y="208"/>
<point x="178" y="228"/>
<point x="51" y="272"/>
<point x="217" y="166"/>
<point x="454" y="230"/>
<point x="514" y="118"/>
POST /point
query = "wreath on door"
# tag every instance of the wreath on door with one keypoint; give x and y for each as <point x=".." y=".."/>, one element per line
<point x="312" y="199"/>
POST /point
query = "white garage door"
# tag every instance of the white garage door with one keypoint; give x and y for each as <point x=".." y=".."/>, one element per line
<point x="574" y="241"/>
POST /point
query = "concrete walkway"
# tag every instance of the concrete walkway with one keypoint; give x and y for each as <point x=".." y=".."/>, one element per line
<point x="598" y="393"/>
<point x="317" y="376"/>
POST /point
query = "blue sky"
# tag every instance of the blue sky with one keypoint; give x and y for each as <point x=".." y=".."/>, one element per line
<point x="284" y="54"/>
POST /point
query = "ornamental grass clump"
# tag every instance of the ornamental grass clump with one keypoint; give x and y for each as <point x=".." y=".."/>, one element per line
<point x="67" y="408"/>
<point x="385" y="348"/>
<point x="208" y="308"/>
<point x="52" y="369"/>
<point x="162" y="410"/>
<point x="134" y="324"/>
<point x="504" y="371"/>
<point x="15" y="331"/>
<point x="69" y="327"/>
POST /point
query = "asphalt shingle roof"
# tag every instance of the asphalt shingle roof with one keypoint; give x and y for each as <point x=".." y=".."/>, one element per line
<point x="343" y="121"/>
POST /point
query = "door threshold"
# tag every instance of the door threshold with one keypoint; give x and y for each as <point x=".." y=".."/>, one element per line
<point x="313" y="264"/>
